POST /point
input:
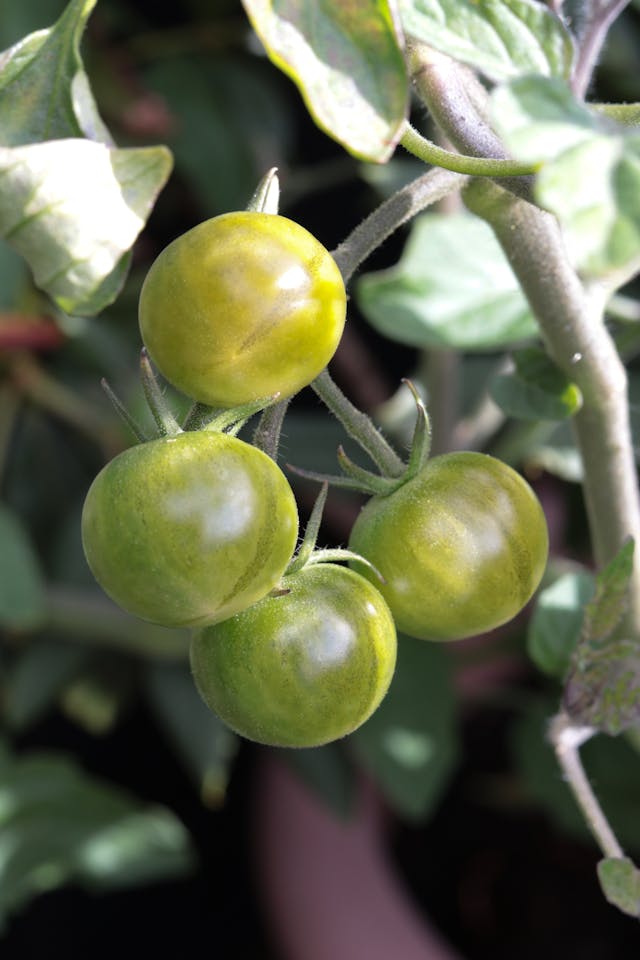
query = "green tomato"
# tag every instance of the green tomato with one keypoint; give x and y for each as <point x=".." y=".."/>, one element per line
<point x="300" y="668"/>
<point x="187" y="530"/>
<point x="241" y="307"/>
<point x="462" y="546"/>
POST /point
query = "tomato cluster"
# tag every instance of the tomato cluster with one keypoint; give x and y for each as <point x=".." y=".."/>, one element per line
<point x="198" y="528"/>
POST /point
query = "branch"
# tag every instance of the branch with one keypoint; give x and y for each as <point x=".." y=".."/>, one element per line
<point x="566" y="740"/>
<point x="393" y="213"/>
<point x="591" y="39"/>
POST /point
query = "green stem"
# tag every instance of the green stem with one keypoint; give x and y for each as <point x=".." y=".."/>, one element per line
<point x="392" y="214"/>
<point x="431" y="153"/>
<point x="267" y="434"/>
<point x="571" y="322"/>
<point x="358" y="425"/>
<point x="458" y="103"/>
<point x="566" y="740"/>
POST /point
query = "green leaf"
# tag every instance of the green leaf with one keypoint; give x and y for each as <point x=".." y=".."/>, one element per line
<point x="410" y="743"/>
<point x="555" y="626"/>
<point x="536" y="390"/>
<point x="73" y="208"/>
<point x="22" y="601"/>
<point x="38" y="676"/>
<point x="603" y="688"/>
<point x="44" y="91"/>
<point x="501" y="38"/>
<point x="451" y="288"/>
<point x="590" y="177"/>
<point x="59" y="825"/>
<point x="620" y="882"/>
<point x="328" y="773"/>
<point x="346" y="60"/>
<point x="205" y="745"/>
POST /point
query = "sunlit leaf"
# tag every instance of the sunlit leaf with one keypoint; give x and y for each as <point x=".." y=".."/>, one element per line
<point x="501" y="38"/>
<point x="346" y="60"/>
<point x="73" y="208"/>
<point x="452" y="287"/>
<point x="590" y="175"/>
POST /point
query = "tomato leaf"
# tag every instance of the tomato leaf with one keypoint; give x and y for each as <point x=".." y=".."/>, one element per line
<point x="347" y="63"/>
<point x="590" y="176"/>
<point x="452" y="287"/>
<point x="410" y="743"/>
<point x="38" y="676"/>
<point x="620" y="882"/>
<point x="22" y="601"/>
<point x="205" y="745"/>
<point x="501" y="38"/>
<point x="60" y="825"/>
<point x="536" y="390"/>
<point x="72" y="207"/>
<point x="555" y="626"/>
<point x="603" y="688"/>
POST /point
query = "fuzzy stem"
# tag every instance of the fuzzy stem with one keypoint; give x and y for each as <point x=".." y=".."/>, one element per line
<point x="566" y="740"/>
<point x="429" y="152"/>
<point x="393" y="213"/>
<point x="591" y="39"/>
<point x="267" y="434"/>
<point x="458" y="103"/>
<point x="571" y="322"/>
<point x="358" y="425"/>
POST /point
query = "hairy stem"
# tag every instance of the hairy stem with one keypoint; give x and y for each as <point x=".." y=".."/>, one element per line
<point x="358" y="425"/>
<point x="591" y="38"/>
<point x="413" y="142"/>
<point x="566" y="740"/>
<point x="571" y="322"/>
<point x="458" y="103"/>
<point x="393" y="213"/>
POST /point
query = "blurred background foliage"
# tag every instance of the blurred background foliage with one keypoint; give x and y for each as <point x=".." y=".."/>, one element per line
<point x="112" y="773"/>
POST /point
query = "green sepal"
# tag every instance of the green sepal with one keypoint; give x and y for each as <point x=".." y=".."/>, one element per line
<point x="334" y="480"/>
<point x="166" y="423"/>
<point x="421" y="441"/>
<point x="266" y="198"/>
<point x="310" y="538"/>
<point x="369" y="482"/>
<point x="122" y="412"/>
<point x="231" y="416"/>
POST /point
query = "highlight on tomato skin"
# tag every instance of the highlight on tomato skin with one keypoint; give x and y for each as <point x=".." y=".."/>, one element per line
<point x="242" y="306"/>
<point x="303" y="667"/>
<point x="186" y="530"/>
<point x="462" y="546"/>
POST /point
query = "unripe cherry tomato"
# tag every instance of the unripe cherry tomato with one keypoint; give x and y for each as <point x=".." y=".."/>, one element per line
<point x="462" y="546"/>
<point x="243" y="306"/>
<point x="300" y="668"/>
<point x="187" y="530"/>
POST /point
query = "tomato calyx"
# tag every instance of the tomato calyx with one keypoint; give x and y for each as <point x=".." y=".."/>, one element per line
<point x="307" y="554"/>
<point x="266" y="197"/>
<point x="355" y="477"/>
<point x="200" y="416"/>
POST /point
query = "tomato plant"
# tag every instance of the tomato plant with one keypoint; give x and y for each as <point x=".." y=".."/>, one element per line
<point x="461" y="546"/>
<point x="243" y="306"/>
<point x="186" y="530"/>
<point x="305" y="665"/>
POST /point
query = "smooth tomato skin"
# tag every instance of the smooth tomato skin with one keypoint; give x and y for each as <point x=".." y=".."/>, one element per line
<point x="187" y="530"/>
<point x="462" y="546"/>
<point x="302" y="668"/>
<point x="241" y="307"/>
